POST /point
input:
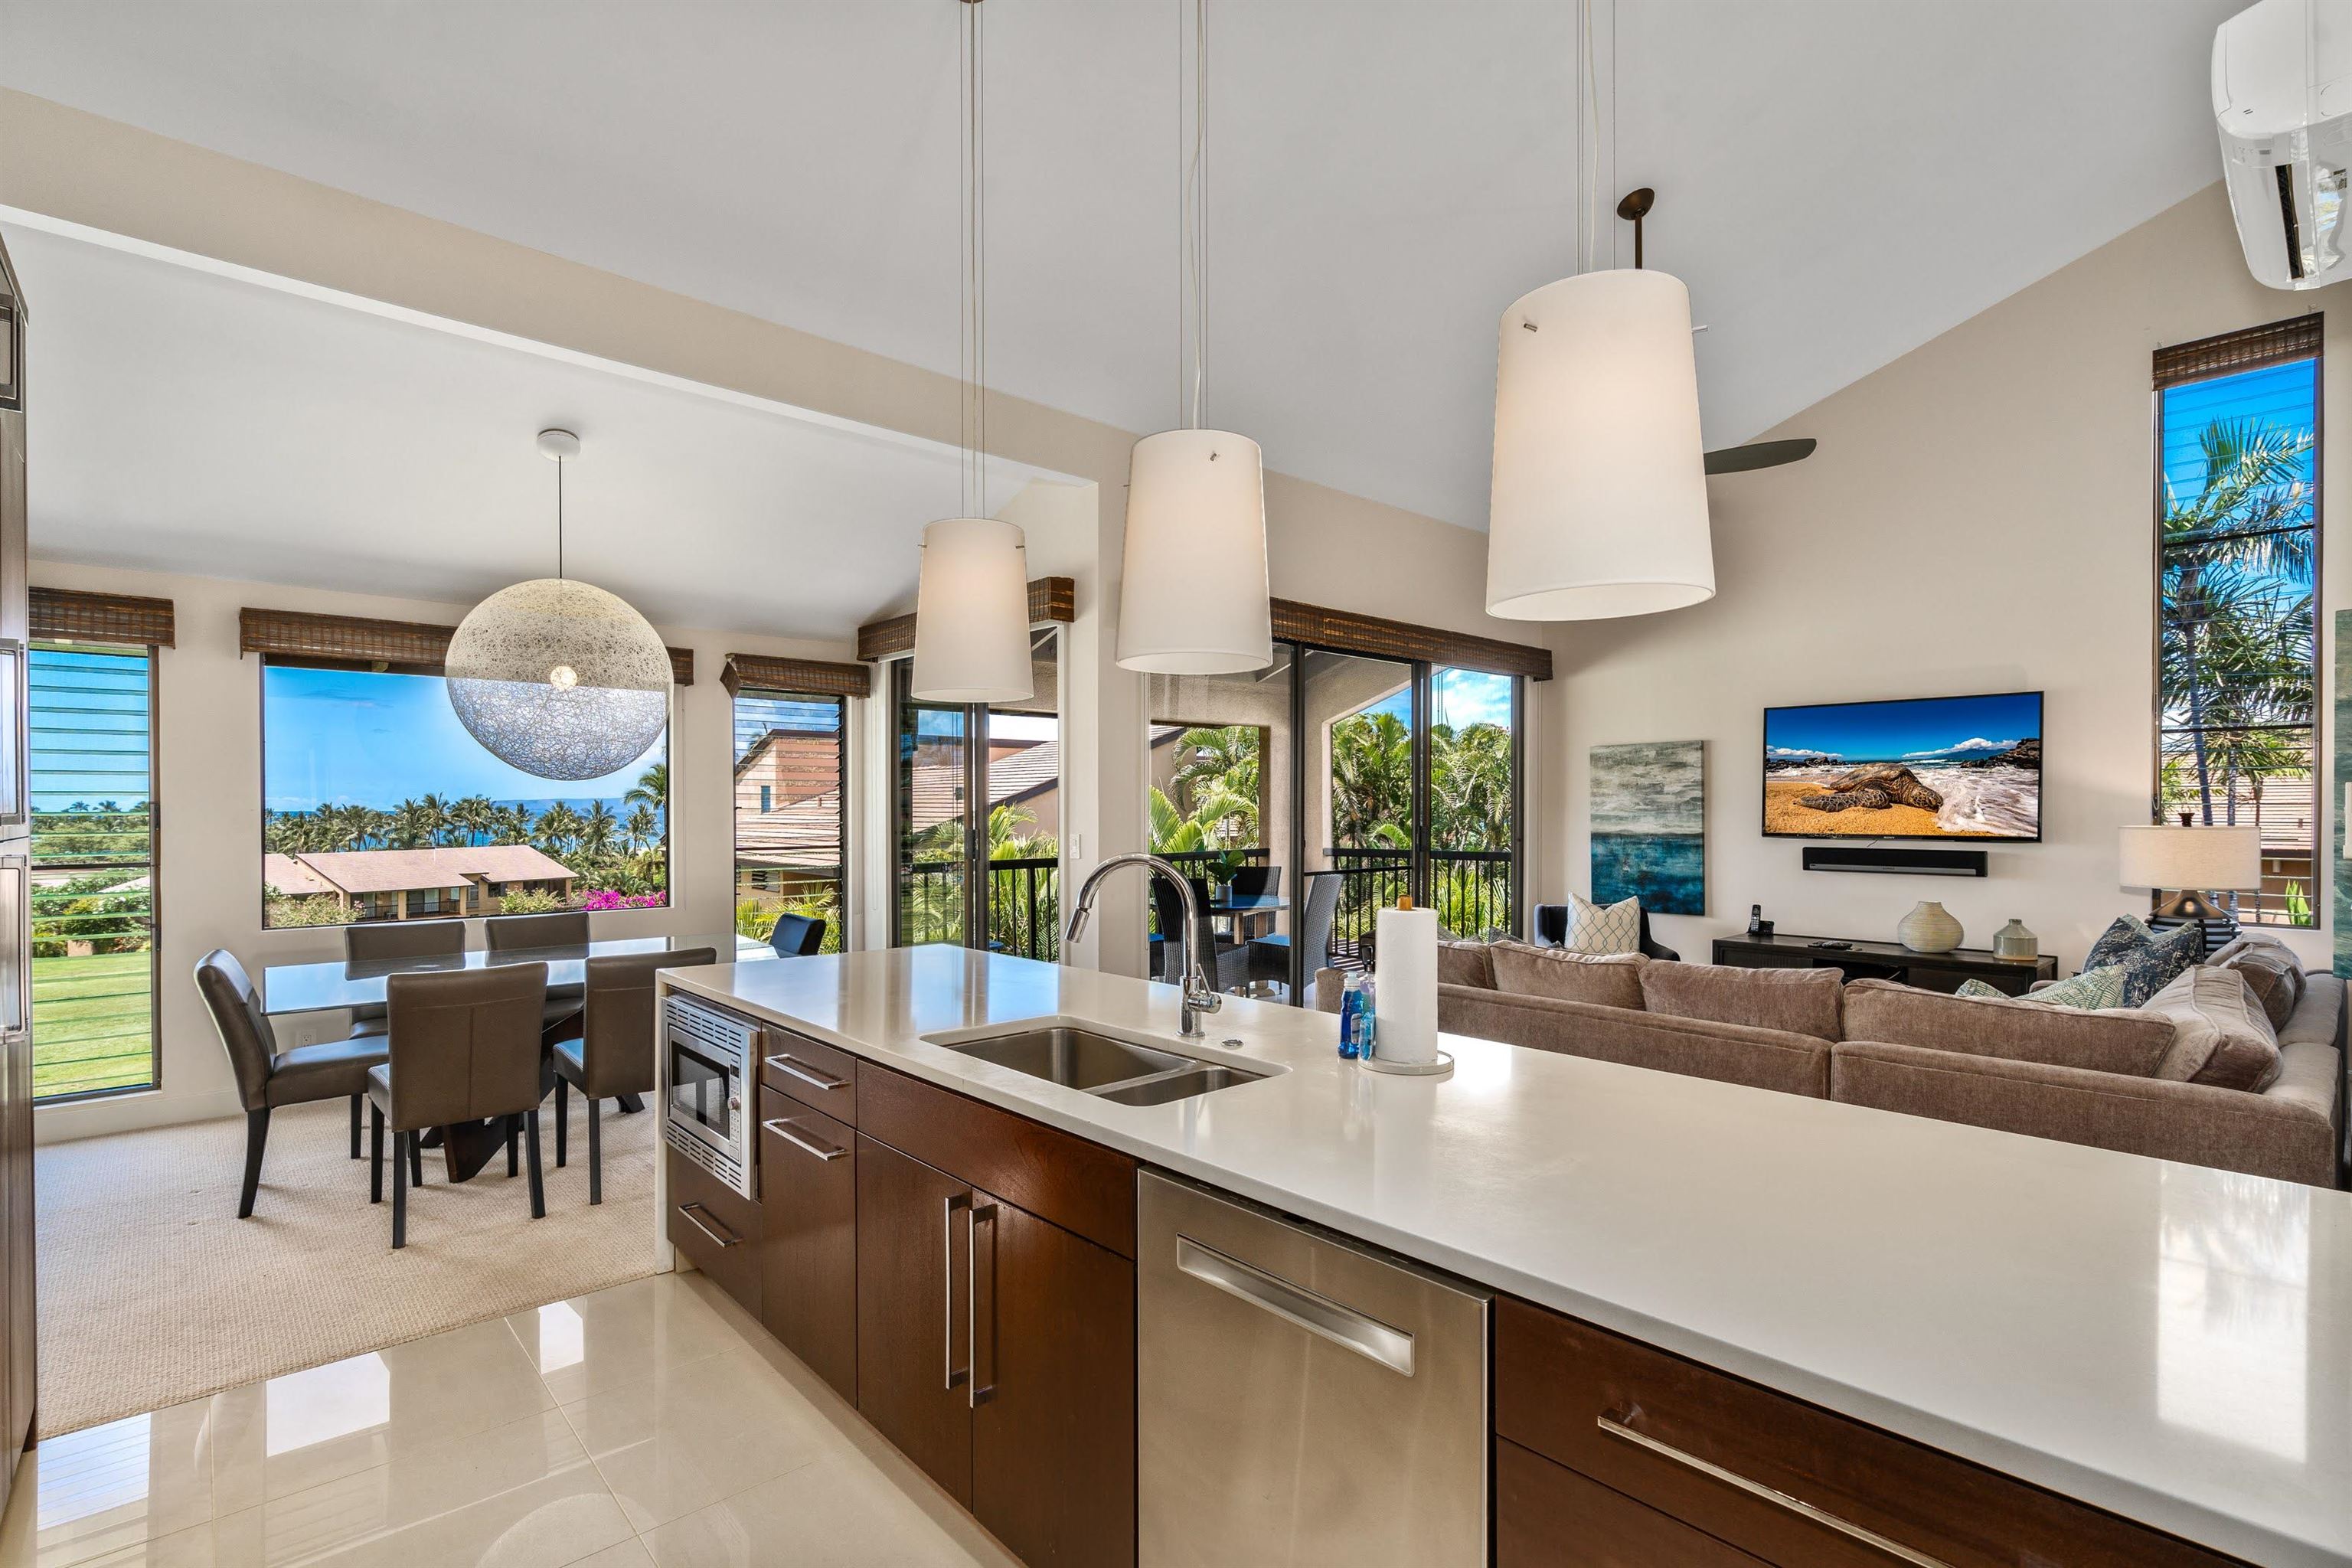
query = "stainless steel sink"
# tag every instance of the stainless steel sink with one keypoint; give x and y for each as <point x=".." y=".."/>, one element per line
<point x="1113" y="1069"/>
<point x="1073" y="1056"/>
<point x="1198" y="1078"/>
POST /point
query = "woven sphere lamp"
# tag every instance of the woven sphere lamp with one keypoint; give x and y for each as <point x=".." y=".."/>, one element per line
<point x="559" y="678"/>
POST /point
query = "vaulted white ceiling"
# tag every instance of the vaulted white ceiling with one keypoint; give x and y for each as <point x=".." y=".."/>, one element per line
<point x="1839" y="180"/>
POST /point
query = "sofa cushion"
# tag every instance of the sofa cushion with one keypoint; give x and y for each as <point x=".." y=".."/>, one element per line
<point x="2091" y="990"/>
<point x="1465" y="963"/>
<point x="2272" y="972"/>
<point x="1605" y="980"/>
<point x="2220" y="1034"/>
<point x="1729" y="1053"/>
<point x="2319" y="1015"/>
<point x="1799" y="1001"/>
<point x="2118" y="1039"/>
<point x="1592" y="929"/>
<point x="2150" y="959"/>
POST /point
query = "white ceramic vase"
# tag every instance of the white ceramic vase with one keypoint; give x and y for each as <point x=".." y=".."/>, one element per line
<point x="1929" y="928"/>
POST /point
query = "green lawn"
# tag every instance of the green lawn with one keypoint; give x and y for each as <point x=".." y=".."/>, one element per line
<point x="92" y="1023"/>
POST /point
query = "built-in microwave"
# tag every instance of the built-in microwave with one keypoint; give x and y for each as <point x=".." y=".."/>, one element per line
<point x="708" y="1095"/>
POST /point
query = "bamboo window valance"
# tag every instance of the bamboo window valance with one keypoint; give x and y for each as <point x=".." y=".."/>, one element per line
<point x="2274" y="342"/>
<point x="130" y="620"/>
<point x="1050" y="599"/>
<point x="409" y="644"/>
<point x="814" y="676"/>
<point x="1344" y="631"/>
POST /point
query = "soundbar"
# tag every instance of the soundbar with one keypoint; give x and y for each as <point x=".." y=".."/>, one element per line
<point x="1898" y="862"/>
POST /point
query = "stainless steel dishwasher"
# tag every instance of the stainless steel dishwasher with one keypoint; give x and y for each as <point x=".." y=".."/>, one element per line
<point x="1301" y="1399"/>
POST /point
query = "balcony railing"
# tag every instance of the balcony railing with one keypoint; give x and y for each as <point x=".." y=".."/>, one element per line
<point x="1023" y="905"/>
<point x="1471" y="890"/>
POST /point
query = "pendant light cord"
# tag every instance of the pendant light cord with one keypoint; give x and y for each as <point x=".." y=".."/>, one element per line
<point x="973" y="344"/>
<point x="1193" y="222"/>
<point x="559" y="518"/>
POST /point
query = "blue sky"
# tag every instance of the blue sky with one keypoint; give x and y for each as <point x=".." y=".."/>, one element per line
<point x="1463" y="698"/>
<point x="2278" y="395"/>
<point x="1921" y="731"/>
<point x="334" y="737"/>
<point x="88" y="728"/>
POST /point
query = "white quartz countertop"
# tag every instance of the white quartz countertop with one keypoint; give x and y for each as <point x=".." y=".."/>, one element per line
<point x="2170" y="1342"/>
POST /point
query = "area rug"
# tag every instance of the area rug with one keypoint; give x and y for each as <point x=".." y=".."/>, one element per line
<point x="154" y="1292"/>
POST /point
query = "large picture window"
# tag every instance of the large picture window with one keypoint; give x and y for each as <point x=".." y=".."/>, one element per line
<point x="791" y="815"/>
<point x="378" y="804"/>
<point x="92" y="761"/>
<point x="2237" y="561"/>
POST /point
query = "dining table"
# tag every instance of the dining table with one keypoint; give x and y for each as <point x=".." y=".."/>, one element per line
<point x="339" y="984"/>
<point x="1245" y="909"/>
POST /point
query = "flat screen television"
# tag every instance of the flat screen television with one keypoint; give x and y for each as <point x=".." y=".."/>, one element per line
<point x="1929" y="767"/>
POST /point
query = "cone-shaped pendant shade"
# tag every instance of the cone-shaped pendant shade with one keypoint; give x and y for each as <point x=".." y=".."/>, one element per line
<point x="971" y="614"/>
<point x="1192" y="586"/>
<point x="1600" y="489"/>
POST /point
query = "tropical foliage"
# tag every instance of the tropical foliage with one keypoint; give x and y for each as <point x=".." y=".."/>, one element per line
<point x="618" y="856"/>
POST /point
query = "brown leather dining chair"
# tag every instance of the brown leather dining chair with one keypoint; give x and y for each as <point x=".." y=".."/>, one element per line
<point x="512" y="934"/>
<point x="267" y="1078"/>
<point x="380" y="942"/>
<point x="464" y="1048"/>
<point x="613" y="1054"/>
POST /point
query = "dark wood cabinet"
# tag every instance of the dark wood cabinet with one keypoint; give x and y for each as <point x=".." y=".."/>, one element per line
<point x="1547" y="1516"/>
<point x="1887" y="961"/>
<point x="913" y="1311"/>
<point x="808" y="1264"/>
<point x="1052" y="1453"/>
<point x="718" y="1228"/>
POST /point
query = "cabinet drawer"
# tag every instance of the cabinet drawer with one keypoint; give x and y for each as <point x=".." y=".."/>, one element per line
<point x="808" y="1271"/>
<point x="716" y="1228"/>
<point x="1081" y="1187"/>
<point x="816" y="1075"/>
<point x="1547" y="1516"/>
<point x="1653" y="1426"/>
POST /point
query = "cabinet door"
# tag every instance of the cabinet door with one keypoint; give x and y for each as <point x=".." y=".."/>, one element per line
<point x="1053" y="1457"/>
<point x="913" y="1311"/>
<point x="808" y="1195"/>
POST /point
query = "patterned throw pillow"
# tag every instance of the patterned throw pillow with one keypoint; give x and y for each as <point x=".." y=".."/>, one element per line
<point x="2092" y="989"/>
<point x="1591" y="929"/>
<point x="2150" y="960"/>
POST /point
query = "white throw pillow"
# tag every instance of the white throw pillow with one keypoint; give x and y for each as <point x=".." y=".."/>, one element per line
<point x="1591" y="929"/>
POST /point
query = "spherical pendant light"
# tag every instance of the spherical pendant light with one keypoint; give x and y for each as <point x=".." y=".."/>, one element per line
<point x="971" y="614"/>
<point x="558" y="678"/>
<point x="1599" y="484"/>
<point x="1192" y="586"/>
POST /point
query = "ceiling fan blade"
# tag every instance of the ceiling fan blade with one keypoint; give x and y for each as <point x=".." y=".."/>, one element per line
<point x="1759" y="455"/>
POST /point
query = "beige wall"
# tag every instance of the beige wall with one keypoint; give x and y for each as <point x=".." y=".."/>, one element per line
<point x="1978" y="518"/>
<point x="208" y="795"/>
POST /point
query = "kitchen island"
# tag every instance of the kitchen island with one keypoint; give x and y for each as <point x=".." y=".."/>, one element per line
<point x="2169" y="1344"/>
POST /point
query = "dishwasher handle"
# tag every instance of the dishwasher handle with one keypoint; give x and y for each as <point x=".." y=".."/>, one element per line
<point x="1343" y="1326"/>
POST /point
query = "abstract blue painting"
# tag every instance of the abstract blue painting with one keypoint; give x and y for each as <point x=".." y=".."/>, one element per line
<point x="1649" y="826"/>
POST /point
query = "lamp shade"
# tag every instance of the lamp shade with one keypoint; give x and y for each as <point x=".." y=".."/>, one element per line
<point x="971" y="614"/>
<point x="1599" y="504"/>
<point x="1192" y="588"/>
<point x="559" y="679"/>
<point x="2199" y="859"/>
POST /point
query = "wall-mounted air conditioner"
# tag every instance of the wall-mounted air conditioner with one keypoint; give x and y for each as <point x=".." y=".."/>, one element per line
<point x="2282" y="99"/>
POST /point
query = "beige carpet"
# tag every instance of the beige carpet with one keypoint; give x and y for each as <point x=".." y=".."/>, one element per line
<point x="153" y="1292"/>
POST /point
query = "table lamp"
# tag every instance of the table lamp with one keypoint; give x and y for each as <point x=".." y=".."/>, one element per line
<point x="2191" y="863"/>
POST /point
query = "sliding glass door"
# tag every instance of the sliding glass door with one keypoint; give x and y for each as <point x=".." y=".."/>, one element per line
<point x="976" y="812"/>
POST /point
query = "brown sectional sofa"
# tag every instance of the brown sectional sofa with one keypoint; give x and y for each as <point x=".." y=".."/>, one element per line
<point x="2080" y="1077"/>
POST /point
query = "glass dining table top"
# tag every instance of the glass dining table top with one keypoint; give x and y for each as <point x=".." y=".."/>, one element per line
<point x="1265" y="903"/>
<point x="343" y="983"/>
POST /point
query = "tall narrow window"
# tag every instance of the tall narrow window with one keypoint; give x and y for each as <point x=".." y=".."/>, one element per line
<point x="792" y="811"/>
<point x="2237" y="565"/>
<point x="93" y="849"/>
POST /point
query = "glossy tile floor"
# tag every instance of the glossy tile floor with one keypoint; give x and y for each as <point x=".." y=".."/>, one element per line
<point x="646" y="1425"/>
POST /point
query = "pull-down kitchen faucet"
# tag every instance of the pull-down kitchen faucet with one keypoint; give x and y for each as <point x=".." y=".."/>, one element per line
<point x="1197" y="997"/>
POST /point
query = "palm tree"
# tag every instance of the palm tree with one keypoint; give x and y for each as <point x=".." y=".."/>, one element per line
<point x="651" y="788"/>
<point x="1470" y="786"/>
<point x="557" y="828"/>
<point x="475" y="818"/>
<point x="434" y="813"/>
<point x="642" y="828"/>
<point x="598" y="831"/>
<point x="1371" y="781"/>
<point x="414" y="826"/>
<point x="2235" y="643"/>
<point x="511" y="825"/>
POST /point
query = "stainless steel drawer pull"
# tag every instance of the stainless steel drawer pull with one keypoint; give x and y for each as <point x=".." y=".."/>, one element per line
<point x="784" y="1063"/>
<point x="1343" y="1326"/>
<point x="1616" y="1427"/>
<point x="947" y="1206"/>
<point x="704" y="1226"/>
<point x="784" y="1129"/>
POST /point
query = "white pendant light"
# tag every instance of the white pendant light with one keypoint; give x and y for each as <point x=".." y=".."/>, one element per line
<point x="971" y="597"/>
<point x="1599" y="502"/>
<point x="557" y="678"/>
<point x="1599" y="488"/>
<point x="1192" y="584"/>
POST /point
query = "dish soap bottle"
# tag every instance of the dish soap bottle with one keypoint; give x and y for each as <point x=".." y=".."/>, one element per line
<point x="1356" y="1015"/>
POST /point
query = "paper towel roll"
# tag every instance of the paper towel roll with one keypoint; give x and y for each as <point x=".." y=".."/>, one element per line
<point x="1405" y="979"/>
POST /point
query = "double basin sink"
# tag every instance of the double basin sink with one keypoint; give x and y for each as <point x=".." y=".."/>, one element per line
<point x="1121" y="1071"/>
